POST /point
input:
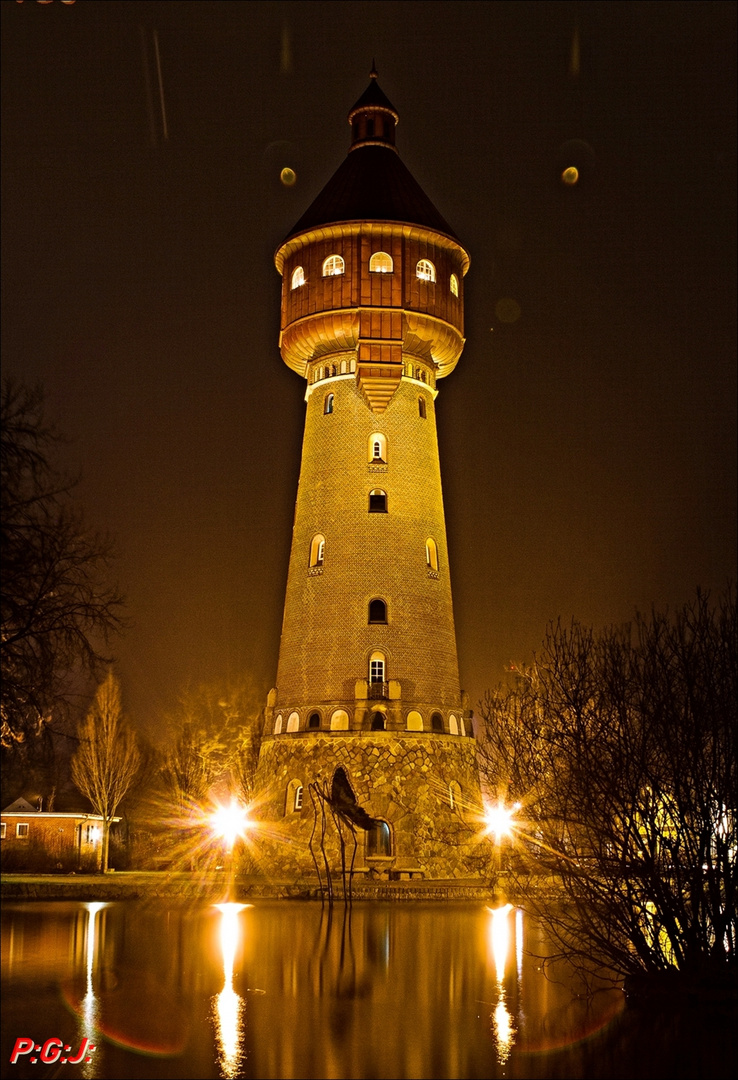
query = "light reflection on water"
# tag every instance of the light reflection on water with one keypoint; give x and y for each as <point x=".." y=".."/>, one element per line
<point x="289" y="989"/>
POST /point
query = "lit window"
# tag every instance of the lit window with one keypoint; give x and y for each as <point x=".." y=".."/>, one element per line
<point x="314" y="720"/>
<point x="376" y="667"/>
<point x="340" y="720"/>
<point x="431" y="554"/>
<point x="421" y="408"/>
<point x="453" y="726"/>
<point x="414" y="721"/>
<point x="378" y="447"/>
<point x="298" y="798"/>
<point x="333" y="266"/>
<point x="21" y="830"/>
<point x="381" y="263"/>
<point x="293" y="721"/>
<point x="437" y="722"/>
<point x="425" y="270"/>
<point x="377" y="611"/>
<point x="454" y="285"/>
<point x="298" y="277"/>
<point x="278" y="725"/>
<point x="377" y="501"/>
<point x="317" y="550"/>
<point x="379" y="840"/>
<point x="378" y="723"/>
<point x="328" y="404"/>
<point x="2" y="831"/>
<point x="293" y="798"/>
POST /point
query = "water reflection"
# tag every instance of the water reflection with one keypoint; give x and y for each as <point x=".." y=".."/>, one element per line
<point x="228" y="1005"/>
<point x="292" y="989"/>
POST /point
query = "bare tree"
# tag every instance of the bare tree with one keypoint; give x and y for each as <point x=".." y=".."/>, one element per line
<point x="57" y="606"/>
<point x="621" y="749"/>
<point x="107" y="761"/>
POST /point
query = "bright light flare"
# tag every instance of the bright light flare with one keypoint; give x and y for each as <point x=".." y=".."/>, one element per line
<point x="230" y="822"/>
<point x="499" y="819"/>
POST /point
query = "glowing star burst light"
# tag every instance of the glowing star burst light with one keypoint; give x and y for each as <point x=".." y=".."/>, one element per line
<point x="499" y="819"/>
<point x="230" y="822"/>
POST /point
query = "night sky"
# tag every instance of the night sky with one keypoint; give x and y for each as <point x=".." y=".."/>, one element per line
<point x="588" y="433"/>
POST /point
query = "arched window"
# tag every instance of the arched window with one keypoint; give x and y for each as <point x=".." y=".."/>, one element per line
<point x="377" y="611"/>
<point x="293" y="721"/>
<point x="379" y="840"/>
<point x="414" y="721"/>
<point x="376" y="667"/>
<point x="343" y="367"/>
<point x="437" y="722"/>
<point x="333" y="266"/>
<point x="378" y="721"/>
<point x="378" y="447"/>
<point x="431" y="554"/>
<point x="454" y="795"/>
<point x="381" y="263"/>
<point x="421" y="408"/>
<point x="454" y="285"/>
<point x="377" y="501"/>
<point x="328" y="404"/>
<point x="317" y="550"/>
<point x="453" y="726"/>
<point x="340" y="720"/>
<point x="298" y="277"/>
<point x="462" y="729"/>
<point x="314" y="720"/>
<point x="278" y="725"/>
<point x="425" y="270"/>
<point x="293" y="798"/>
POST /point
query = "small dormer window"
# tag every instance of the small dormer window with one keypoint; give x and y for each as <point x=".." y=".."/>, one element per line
<point x="298" y="277"/>
<point x="454" y="285"/>
<point x="425" y="270"/>
<point x="381" y="263"/>
<point x="333" y="266"/>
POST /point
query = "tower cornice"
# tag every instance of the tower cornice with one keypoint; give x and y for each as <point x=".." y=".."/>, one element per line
<point x="344" y="229"/>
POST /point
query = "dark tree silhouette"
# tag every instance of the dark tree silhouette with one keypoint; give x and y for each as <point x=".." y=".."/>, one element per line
<point x="58" y="608"/>
<point x="621" y="748"/>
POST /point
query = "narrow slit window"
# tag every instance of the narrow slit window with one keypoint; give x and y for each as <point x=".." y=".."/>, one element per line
<point x="317" y="550"/>
<point x="377" y="501"/>
<point x="378" y="448"/>
<point x="421" y="408"/>
<point x="425" y="270"/>
<point x="454" y="285"/>
<point x="431" y="554"/>
<point x="298" y="277"/>
<point x="328" y="404"/>
<point x="333" y="266"/>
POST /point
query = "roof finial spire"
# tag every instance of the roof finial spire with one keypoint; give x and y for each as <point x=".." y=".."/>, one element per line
<point x="373" y="74"/>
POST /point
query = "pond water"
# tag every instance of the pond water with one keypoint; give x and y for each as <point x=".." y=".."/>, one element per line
<point x="291" y="989"/>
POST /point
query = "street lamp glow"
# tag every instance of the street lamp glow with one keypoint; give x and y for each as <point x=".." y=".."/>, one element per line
<point x="230" y="822"/>
<point x="499" y="819"/>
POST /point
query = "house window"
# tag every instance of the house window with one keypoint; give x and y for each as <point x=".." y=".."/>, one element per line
<point x="298" y="277"/>
<point x="421" y="408"/>
<point x="2" y="831"/>
<point x="437" y="722"/>
<point x="414" y="721"/>
<point x="314" y="720"/>
<point x="293" y="798"/>
<point x="293" y="722"/>
<point x="377" y="447"/>
<point x="378" y="722"/>
<point x="328" y="404"/>
<point x="454" y="285"/>
<point x="376" y="667"/>
<point x="431" y="554"/>
<point x="381" y="263"/>
<point x="379" y="840"/>
<point x="340" y="720"/>
<point x="377" y="501"/>
<point x="377" y="611"/>
<point x="21" y="830"/>
<point x="425" y="270"/>
<point x="317" y="550"/>
<point x="278" y="725"/>
<point x="333" y="266"/>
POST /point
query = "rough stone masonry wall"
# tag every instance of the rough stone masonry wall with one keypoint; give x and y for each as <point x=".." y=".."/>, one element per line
<point x="401" y="780"/>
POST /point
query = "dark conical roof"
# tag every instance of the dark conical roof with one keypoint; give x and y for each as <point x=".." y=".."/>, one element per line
<point x="372" y="184"/>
